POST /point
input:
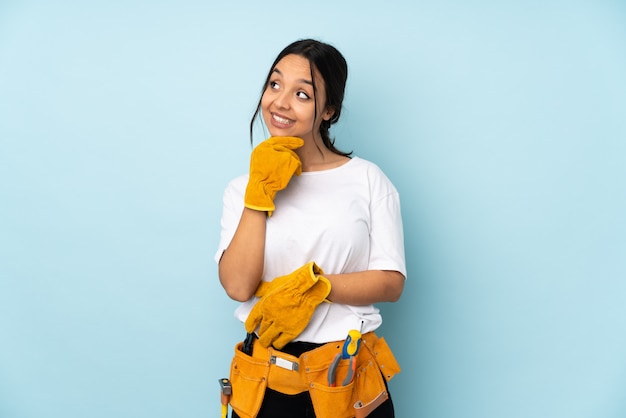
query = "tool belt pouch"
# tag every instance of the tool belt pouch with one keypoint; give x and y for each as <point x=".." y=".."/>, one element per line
<point x="329" y="402"/>
<point x="371" y="390"/>
<point x="382" y="354"/>
<point x="375" y="363"/>
<point x="367" y="390"/>
<point x="248" y="377"/>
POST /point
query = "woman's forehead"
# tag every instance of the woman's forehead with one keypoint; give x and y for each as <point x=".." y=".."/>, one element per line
<point x="298" y="67"/>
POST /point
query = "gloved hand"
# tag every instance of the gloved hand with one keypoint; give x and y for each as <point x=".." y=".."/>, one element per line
<point x="287" y="305"/>
<point x="266" y="287"/>
<point x="272" y="164"/>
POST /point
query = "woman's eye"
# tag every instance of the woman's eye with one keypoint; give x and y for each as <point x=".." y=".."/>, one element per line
<point x="303" y="95"/>
<point x="273" y="85"/>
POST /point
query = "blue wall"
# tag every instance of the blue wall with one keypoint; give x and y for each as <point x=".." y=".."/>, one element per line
<point x="502" y="125"/>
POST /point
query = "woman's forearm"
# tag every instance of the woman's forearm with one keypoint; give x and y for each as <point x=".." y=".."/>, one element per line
<point x="241" y="269"/>
<point x="241" y="265"/>
<point x="366" y="287"/>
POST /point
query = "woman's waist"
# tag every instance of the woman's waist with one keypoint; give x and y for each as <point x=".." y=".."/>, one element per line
<point x="330" y="321"/>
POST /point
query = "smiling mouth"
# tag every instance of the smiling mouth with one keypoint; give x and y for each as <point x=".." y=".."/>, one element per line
<point x="281" y="120"/>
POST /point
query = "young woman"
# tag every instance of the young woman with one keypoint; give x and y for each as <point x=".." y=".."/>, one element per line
<point x="311" y="239"/>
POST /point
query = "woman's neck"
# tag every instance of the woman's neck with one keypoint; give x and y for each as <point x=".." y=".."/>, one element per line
<point x="319" y="158"/>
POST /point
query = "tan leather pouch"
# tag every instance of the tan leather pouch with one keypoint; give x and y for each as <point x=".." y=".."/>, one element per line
<point x="367" y="389"/>
<point x="248" y="377"/>
<point x="383" y="355"/>
<point x="332" y="402"/>
<point x="329" y="402"/>
<point x="377" y="361"/>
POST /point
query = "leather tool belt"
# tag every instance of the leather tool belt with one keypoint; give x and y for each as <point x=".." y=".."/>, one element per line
<point x="270" y="368"/>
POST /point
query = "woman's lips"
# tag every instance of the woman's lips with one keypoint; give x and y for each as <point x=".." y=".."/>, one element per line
<point x="281" y="122"/>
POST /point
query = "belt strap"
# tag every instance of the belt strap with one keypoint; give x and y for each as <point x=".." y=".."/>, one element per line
<point x="361" y="410"/>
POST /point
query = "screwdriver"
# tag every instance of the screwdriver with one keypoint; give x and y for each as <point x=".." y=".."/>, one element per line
<point x="350" y="350"/>
<point x="352" y="344"/>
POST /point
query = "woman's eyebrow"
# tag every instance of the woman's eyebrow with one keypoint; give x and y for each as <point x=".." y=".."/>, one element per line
<point x="302" y="80"/>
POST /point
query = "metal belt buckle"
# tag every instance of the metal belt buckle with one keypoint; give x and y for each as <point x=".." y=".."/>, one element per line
<point x="284" y="363"/>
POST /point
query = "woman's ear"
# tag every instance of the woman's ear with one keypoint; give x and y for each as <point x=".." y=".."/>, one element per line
<point x="328" y="113"/>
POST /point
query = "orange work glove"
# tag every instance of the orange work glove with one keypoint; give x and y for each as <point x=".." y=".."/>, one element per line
<point x="272" y="164"/>
<point x="287" y="305"/>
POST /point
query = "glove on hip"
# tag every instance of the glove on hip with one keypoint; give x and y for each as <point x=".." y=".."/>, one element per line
<point x="287" y="305"/>
<point x="272" y="164"/>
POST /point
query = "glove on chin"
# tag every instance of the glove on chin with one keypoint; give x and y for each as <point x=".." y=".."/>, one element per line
<point x="287" y="305"/>
<point x="272" y="164"/>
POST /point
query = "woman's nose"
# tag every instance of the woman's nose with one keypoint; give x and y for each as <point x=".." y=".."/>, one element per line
<point x="282" y="100"/>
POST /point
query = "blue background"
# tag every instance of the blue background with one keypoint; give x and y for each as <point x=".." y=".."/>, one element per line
<point x="502" y="124"/>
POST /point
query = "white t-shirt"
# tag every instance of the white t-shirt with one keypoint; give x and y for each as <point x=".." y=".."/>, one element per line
<point x="346" y="219"/>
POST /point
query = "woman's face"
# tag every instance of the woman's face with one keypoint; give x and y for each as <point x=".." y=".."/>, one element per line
<point x="288" y="103"/>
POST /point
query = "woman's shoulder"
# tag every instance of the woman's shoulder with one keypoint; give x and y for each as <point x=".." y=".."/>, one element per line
<point x="375" y="176"/>
<point x="368" y="166"/>
<point x="363" y="163"/>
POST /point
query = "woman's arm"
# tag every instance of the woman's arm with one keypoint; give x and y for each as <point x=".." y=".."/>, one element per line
<point x="272" y="163"/>
<point x="366" y="287"/>
<point x="241" y="266"/>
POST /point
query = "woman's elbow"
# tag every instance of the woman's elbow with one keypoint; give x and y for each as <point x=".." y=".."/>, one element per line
<point x="236" y="295"/>
<point x="236" y="288"/>
<point x="395" y="286"/>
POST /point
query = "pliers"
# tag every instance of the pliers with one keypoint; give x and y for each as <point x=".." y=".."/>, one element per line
<point x="332" y="370"/>
<point x="350" y="350"/>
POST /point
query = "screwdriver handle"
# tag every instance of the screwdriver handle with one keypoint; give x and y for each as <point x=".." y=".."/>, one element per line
<point x="352" y="344"/>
